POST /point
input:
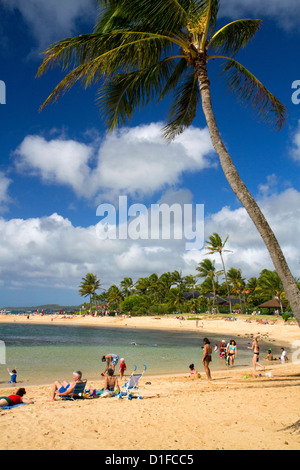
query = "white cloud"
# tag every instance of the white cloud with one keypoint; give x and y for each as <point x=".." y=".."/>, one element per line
<point x="295" y="148"/>
<point x="268" y="187"/>
<point x="51" y="20"/>
<point x="132" y="160"/>
<point x="286" y="12"/>
<point x="4" y="196"/>
<point x="282" y="211"/>
<point x="51" y="252"/>
<point x="58" y="161"/>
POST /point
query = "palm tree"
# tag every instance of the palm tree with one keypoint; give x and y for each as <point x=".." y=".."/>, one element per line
<point x="237" y="283"/>
<point x="207" y="269"/>
<point x="269" y="285"/>
<point x="177" y="279"/>
<point x="114" y="295"/>
<point x="142" y="49"/>
<point x="164" y="284"/>
<point x="142" y="285"/>
<point x="215" y="245"/>
<point x="88" y="287"/>
<point x="127" y="286"/>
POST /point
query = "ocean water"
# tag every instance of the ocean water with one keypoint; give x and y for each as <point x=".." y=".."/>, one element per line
<point x="44" y="353"/>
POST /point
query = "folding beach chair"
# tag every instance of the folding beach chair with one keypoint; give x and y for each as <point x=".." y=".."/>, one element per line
<point x="77" y="392"/>
<point x="132" y="385"/>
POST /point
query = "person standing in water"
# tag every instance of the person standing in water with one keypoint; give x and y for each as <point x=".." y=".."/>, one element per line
<point x="207" y="352"/>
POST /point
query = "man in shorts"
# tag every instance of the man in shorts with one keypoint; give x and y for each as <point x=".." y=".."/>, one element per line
<point x="111" y="361"/>
<point x="64" y="389"/>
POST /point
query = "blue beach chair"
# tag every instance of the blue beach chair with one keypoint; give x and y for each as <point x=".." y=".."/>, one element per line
<point x="77" y="392"/>
<point x="132" y="385"/>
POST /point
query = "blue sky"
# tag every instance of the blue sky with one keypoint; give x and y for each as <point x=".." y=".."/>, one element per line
<point x="58" y="165"/>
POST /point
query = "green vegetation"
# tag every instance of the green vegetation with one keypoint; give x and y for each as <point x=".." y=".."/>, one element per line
<point x="171" y="292"/>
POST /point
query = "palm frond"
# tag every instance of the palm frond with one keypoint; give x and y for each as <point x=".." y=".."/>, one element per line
<point x="122" y="94"/>
<point x="104" y="55"/>
<point x="201" y="7"/>
<point x="184" y="108"/>
<point x="234" y="36"/>
<point x="249" y="90"/>
<point x="69" y="51"/>
<point x="163" y="15"/>
<point x="179" y="69"/>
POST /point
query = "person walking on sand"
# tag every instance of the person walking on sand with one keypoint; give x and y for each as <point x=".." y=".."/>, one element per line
<point x="255" y="348"/>
<point x="207" y="352"/>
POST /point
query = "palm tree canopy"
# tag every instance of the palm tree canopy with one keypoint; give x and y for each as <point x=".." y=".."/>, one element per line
<point x="89" y="285"/>
<point x="141" y="50"/>
<point x="269" y="285"/>
<point x="215" y="244"/>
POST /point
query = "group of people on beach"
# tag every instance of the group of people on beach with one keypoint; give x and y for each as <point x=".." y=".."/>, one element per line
<point x="111" y="383"/>
<point x="228" y="352"/>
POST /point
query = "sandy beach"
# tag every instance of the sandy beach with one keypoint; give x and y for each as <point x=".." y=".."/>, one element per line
<point x="236" y="410"/>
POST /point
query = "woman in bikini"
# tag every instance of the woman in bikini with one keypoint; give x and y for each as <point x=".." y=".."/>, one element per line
<point x="207" y="352"/>
<point x="232" y="352"/>
<point x="110" y="384"/>
<point x="255" y="347"/>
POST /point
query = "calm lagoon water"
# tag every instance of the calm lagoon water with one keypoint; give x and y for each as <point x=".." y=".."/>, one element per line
<point x="44" y="353"/>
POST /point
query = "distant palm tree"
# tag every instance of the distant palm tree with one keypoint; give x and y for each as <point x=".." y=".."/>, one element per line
<point x="216" y="245"/>
<point x="127" y="285"/>
<point x="114" y="295"/>
<point x="237" y="282"/>
<point x="89" y="286"/>
<point x="207" y="269"/>
<point x="269" y="285"/>
<point x="164" y="284"/>
<point x="142" y="49"/>
<point x="142" y="285"/>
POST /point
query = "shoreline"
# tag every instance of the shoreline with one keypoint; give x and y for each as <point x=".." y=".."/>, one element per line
<point x="279" y="331"/>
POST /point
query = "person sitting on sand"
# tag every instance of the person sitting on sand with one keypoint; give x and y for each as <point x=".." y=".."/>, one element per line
<point x="269" y="356"/>
<point x="111" y="362"/>
<point x="283" y="358"/>
<point x="194" y="373"/>
<point x="13" y="376"/>
<point x="64" y="389"/>
<point x="110" y="384"/>
<point x="16" y="399"/>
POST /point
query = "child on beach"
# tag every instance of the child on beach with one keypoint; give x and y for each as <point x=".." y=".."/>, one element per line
<point x="122" y="367"/>
<point x="194" y="373"/>
<point x="13" y="376"/>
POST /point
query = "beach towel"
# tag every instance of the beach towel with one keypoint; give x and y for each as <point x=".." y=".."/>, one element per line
<point x="13" y="406"/>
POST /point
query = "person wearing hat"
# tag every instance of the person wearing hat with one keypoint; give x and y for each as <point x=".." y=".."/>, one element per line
<point x="269" y="356"/>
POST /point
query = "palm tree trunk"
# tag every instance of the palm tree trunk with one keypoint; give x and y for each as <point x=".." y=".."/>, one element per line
<point x="214" y="292"/>
<point x="291" y="289"/>
<point x="227" y="285"/>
